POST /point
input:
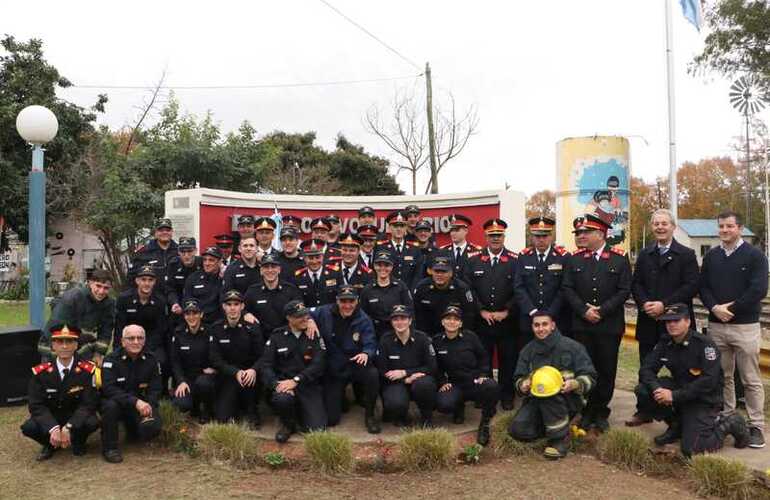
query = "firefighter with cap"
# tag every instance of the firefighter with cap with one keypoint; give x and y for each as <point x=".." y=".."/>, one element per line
<point x="194" y="376"/>
<point x="463" y="373"/>
<point x="291" y="221"/>
<point x="157" y="253"/>
<point x="423" y="233"/>
<point x="292" y="367"/>
<point x="433" y="294"/>
<point x="367" y="217"/>
<point x="206" y="285"/>
<point x="91" y="310"/>
<point x="690" y="399"/>
<point x="241" y="273"/>
<point x="235" y="349"/>
<point x="460" y="250"/>
<point x="333" y="237"/>
<point x="317" y="282"/>
<point x="131" y="389"/>
<point x="554" y="374"/>
<point x="407" y="365"/>
<point x="379" y="297"/>
<point x="491" y="274"/>
<point x="245" y="227"/>
<point x="265" y="301"/>
<point x="596" y="284"/>
<point x="368" y="235"/>
<point x="348" y="334"/>
<point x="319" y="229"/>
<point x="290" y="256"/>
<point x="62" y="397"/>
<point x="264" y="230"/>
<point x="412" y="214"/>
<point x="407" y="257"/>
<point x="143" y="306"/>
<point x="539" y="275"/>
<point x="177" y="272"/>
<point x="351" y="271"/>
<point x="225" y="242"/>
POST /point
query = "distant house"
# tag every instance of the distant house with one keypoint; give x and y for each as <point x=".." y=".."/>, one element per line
<point x="703" y="234"/>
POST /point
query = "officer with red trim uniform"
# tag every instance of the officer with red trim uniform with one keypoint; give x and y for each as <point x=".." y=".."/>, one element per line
<point x="292" y="221"/>
<point x="352" y="271"/>
<point x="490" y="274"/>
<point x="596" y="284"/>
<point x="369" y="237"/>
<point x="407" y="258"/>
<point x="460" y="249"/>
<point x="320" y="228"/>
<point x="264" y="230"/>
<point x="62" y="397"/>
<point x="316" y="281"/>
<point x="538" y="277"/>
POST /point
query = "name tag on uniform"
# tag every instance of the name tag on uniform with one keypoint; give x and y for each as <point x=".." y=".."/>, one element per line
<point x="184" y="347"/>
<point x="51" y="390"/>
<point x="442" y="352"/>
<point x="530" y="267"/>
<point x="224" y="341"/>
<point x="408" y="257"/>
<point x="240" y="275"/>
<point x="372" y="301"/>
<point x="301" y="287"/>
<point x="477" y="273"/>
<point x="262" y="301"/>
<point x="394" y="357"/>
<point x="152" y="261"/>
<point x="555" y="267"/>
<point x="107" y="364"/>
<point x="198" y="286"/>
<point x="121" y="379"/>
<point x="331" y="282"/>
<point x="283" y="349"/>
<point x="179" y="277"/>
<point x="130" y="310"/>
<point x="425" y="301"/>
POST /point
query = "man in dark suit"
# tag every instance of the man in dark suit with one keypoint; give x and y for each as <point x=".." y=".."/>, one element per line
<point x="460" y="250"/>
<point x="597" y="282"/>
<point x="666" y="273"/>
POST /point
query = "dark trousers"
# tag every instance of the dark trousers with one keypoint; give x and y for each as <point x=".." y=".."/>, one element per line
<point x="396" y="397"/>
<point x="644" y="349"/>
<point x="79" y="434"/>
<point x="603" y="350"/>
<point x="136" y="427"/>
<point x="508" y="347"/>
<point x="543" y="417"/>
<point x="305" y="405"/>
<point x="166" y="375"/>
<point x="366" y="377"/>
<point x="232" y="400"/>
<point x="697" y="421"/>
<point x="486" y="393"/>
<point x="201" y="394"/>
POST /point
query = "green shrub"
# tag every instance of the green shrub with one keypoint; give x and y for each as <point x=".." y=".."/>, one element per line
<point x="625" y="448"/>
<point x="502" y="442"/>
<point x="471" y="454"/>
<point x="232" y="443"/>
<point x="721" y="477"/>
<point x="426" y="449"/>
<point x="274" y="459"/>
<point x="175" y="433"/>
<point x="329" y="452"/>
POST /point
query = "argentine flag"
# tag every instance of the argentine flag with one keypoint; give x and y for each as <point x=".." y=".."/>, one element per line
<point x="277" y="237"/>
<point x="692" y="12"/>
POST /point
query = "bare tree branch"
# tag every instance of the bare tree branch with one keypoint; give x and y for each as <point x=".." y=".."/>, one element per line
<point x="145" y="111"/>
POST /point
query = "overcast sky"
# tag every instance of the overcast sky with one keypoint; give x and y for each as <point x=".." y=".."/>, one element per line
<point x="538" y="71"/>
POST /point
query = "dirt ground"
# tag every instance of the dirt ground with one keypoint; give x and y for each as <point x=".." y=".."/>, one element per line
<point x="151" y="472"/>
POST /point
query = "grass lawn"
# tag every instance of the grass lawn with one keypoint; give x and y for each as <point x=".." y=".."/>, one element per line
<point x="15" y="314"/>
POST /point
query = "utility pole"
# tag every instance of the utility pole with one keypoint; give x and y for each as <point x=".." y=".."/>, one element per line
<point x="431" y="132"/>
<point x="748" y="171"/>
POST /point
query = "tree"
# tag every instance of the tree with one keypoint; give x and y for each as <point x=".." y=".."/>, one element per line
<point x="26" y="78"/>
<point x="359" y="172"/>
<point x="541" y="203"/>
<point x="406" y="135"/>
<point x="738" y="38"/>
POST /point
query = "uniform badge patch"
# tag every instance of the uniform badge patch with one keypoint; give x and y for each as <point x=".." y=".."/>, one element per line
<point x="695" y="371"/>
<point x="469" y="296"/>
<point x="710" y="353"/>
<point x="356" y="336"/>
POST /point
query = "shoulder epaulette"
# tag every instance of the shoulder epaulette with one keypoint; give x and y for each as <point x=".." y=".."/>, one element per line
<point x="526" y="251"/>
<point x="382" y="242"/>
<point x="300" y="271"/>
<point x="559" y="250"/>
<point x="473" y="246"/>
<point x="366" y="269"/>
<point x="413" y="243"/>
<point x="580" y="251"/>
<point x="332" y="267"/>
<point x="444" y="247"/>
<point x="42" y="367"/>
<point x="86" y="366"/>
<point x="473" y="253"/>
<point x="511" y="253"/>
<point x="618" y="251"/>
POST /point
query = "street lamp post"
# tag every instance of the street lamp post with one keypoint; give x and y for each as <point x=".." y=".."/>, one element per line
<point x="37" y="125"/>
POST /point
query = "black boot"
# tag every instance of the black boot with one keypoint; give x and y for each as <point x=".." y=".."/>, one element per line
<point x="458" y="417"/>
<point x="426" y="421"/>
<point x="112" y="456"/>
<point x="46" y="452"/>
<point x="557" y="448"/>
<point x="482" y="435"/>
<point x="734" y="425"/>
<point x="672" y="435"/>
<point x="285" y="432"/>
<point x="371" y="422"/>
<point x="79" y="447"/>
<point x="254" y="420"/>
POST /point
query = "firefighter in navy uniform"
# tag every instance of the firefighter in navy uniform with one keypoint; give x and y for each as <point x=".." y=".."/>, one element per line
<point x="554" y="374"/>
<point x="245" y="227"/>
<point x="423" y="232"/>
<point x="243" y="272"/>
<point x="292" y="367"/>
<point x="690" y="400"/>
<point x="407" y="365"/>
<point x="265" y="301"/>
<point x="131" y="389"/>
<point x="62" y="398"/>
<point x="179" y="268"/>
<point x="157" y="253"/>
<point x="317" y="282"/>
<point x="596" y="284"/>
<point x="194" y="376"/>
<point x="235" y="349"/>
<point x="432" y="296"/>
<point x="463" y="369"/>
<point x="367" y="217"/>
<point x="290" y="256"/>
<point x="538" y="277"/>
<point x="378" y="298"/>
<point x="490" y="274"/>
<point x="205" y="285"/>
<point x="407" y="257"/>
<point x="460" y="250"/>
<point x="412" y="214"/>
<point x="351" y="271"/>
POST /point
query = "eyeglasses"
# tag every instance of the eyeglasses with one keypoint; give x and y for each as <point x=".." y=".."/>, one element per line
<point x="133" y="339"/>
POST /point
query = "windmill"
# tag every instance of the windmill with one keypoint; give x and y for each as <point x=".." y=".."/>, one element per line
<point x="748" y="96"/>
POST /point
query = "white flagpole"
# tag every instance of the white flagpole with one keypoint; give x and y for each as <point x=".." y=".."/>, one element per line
<point x="673" y="194"/>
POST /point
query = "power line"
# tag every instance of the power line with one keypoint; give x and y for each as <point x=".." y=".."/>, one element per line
<point x="399" y="54"/>
<point x="236" y="87"/>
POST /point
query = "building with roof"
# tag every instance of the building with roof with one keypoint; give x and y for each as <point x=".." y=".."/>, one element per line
<point x="703" y="234"/>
